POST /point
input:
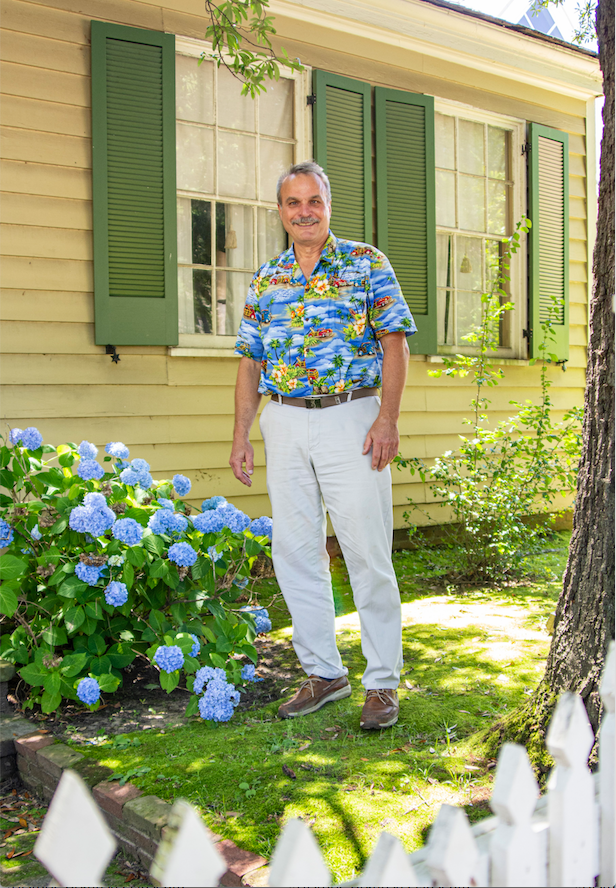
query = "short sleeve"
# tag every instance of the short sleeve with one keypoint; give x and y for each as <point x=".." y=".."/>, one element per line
<point x="249" y="343"/>
<point x="387" y="308"/>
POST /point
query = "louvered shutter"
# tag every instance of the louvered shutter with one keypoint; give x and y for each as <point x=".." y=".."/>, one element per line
<point x="405" y="203"/>
<point x="342" y="146"/>
<point x="134" y="200"/>
<point x="549" y="240"/>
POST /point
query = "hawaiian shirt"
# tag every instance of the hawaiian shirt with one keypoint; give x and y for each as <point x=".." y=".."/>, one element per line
<point x="322" y="336"/>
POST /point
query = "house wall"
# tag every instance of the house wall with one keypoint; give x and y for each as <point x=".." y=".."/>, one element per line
<point x="177" y="411"/>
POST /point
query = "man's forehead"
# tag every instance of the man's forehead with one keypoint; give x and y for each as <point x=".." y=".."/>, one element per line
<point x="292" y="185"/>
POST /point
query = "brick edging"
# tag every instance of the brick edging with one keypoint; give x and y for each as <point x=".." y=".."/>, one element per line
<point x="137" y="821"/>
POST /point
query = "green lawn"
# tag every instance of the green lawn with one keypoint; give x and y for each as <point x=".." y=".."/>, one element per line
<point x="469" y="656"/>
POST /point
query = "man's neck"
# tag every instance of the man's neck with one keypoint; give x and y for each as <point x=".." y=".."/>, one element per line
<point x="308" y="256"/>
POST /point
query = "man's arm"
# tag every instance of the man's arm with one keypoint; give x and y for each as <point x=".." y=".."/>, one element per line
<point x="247" y="400"/>
<point x="383" y="437"/>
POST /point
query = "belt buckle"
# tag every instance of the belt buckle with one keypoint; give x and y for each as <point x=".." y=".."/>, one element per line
<point x="312" y="403"/>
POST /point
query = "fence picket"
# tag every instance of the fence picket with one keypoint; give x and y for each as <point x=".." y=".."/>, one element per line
<point x="515" y="847"/>
<point x="452" y="851"/>
<point x="186" y="856"/>
<point x="572" y="811"/>
<point x="297" y="859"/>
<point x="75" y="844"/>
<point x="607" y="783"/>
<point x="389" y="866"/>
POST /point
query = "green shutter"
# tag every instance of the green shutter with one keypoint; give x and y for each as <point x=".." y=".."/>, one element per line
<point x="549" y="239"/>
<point x="342" y="146"/>
<point x="405" y="200"/>
<point x="134" y="200"/>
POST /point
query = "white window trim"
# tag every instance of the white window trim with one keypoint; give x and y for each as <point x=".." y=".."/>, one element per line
<point x="209" y="345"/>
<point x="518" y="348"/>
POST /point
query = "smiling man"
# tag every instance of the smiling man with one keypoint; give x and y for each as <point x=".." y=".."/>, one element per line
<point x="324" y="327"/>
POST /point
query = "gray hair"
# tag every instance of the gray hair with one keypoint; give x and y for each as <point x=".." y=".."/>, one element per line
<point x="305" y="168"/>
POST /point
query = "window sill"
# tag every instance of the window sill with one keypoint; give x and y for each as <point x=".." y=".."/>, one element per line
<point x="179" y="352"/>
<point x="502" y="362"/>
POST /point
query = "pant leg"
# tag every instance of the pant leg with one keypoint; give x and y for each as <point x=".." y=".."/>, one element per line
<point x="299" y="538"/>
<point x="359" y="502"/>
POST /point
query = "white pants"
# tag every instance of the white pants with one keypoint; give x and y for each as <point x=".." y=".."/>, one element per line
<point x="314" y="461"/>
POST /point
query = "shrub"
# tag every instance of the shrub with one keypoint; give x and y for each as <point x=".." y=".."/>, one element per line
<point x="103" y="565"/>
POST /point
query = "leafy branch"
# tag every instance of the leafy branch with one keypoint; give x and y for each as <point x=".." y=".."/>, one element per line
<point x="586" y="31"/>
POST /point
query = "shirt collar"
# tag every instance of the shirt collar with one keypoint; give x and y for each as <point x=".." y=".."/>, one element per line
<point x="327" y="254"/>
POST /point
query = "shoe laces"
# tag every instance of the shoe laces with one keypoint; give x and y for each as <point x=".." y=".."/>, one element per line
<point x="381" y="693"/>
<point x="309" y="683"/>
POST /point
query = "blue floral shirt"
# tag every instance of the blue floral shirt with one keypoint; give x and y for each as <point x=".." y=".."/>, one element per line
<point x="321" y="336"/>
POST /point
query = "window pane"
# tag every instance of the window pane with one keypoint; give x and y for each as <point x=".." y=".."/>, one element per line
<point x="497" y="153"/>
<point x="233" y="236"/>
<point x="276" y="157"/>
<point x="184" y="231"/>
<point x="444" y="260"/>
<point x="470" y="147"/>
<point x="186" y="311"/>
<point x="234" y="110"/>
<point x="471" y="203"/>
<point x="444" y="141"/>
<point x="276" y="109"/>
<point x="271" y="236"/>
<point x="201" y="232"/>
<point x="236" y="165"/>
<point x="469" y="263"/>
<point x="202" y="290"/>
<point x="231" y="290"/>
<point x="195" y="168"/>
<point x="468" y="313"/>
<point x="497" y="207"/>
<point x="444" y="306"/>
<point x="194" y="90"/>
<point x="492" y="262"/>
<point x="445" y="199"/>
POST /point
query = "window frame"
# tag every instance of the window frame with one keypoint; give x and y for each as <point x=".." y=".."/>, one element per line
<point x="210" y="344"/>
<point x="517" y="349"/>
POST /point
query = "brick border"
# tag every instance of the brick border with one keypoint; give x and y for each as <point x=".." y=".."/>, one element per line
<point x="137" y="821"/>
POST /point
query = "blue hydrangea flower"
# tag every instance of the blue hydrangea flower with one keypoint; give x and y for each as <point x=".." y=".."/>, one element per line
<point x="183" y="554"/>
<point x="214" y="554"/>
<point x="212" y="503"/>
<point x="88" y="573"/>
<point x="89" y="470"/>
<point x="87" y="450"/>
<point x="248" y="673"/>
<point x="93" y="517"/>
<point x="6" y="533"/>
<point x="219" y="700"/>
<point x="15" y="435"/>
<point x="169" y="657"/>
<point x="165" y="521"/>
<point x="88" y="691"/>
<point x="140" y="465"/>
<point x="35" y="533"/>
<point x="166" y="504"/>
<point x="137" y="473"/>
<point x="128" y="531"/>
<point x="31" y="438"/>
<point x="261" y="527"/>
<point x="181" y="484"/>
<point x="121" y="465"/>
<point x="235" y="520"/>
<point x="117" y="449"/>
<point x="205" y="674"/>
<point x="242" y="582"/>
<point x="116" y="594"/>
<point x="261" y="617"/>
<point x="194" y="651"/>
<point x="209" y="522"/>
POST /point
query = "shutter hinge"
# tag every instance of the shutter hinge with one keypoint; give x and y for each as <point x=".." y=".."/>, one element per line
<point x="527" y="334"/>
<point x="311" y="100"/>
<point x="111" y="350"/>
<point x="526" y="147"/>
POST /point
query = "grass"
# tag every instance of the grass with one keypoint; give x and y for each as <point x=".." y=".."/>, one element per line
<point x="470" y="656"/>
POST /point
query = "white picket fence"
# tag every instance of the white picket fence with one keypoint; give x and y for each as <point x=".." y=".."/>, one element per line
<point x="564" y="838"/>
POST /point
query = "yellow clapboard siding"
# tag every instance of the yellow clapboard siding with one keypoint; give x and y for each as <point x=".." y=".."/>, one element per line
<point x="578" y="292"/>
<point x="577" y="208"/>
<point x="52" y="86"/>
<point x="577" y="144"/>
<point x="29" y="18"/>
<point x="191" y="459"/>
<point x="49" y="117"/>
<point x="35" y="305"/>
<point x="42" y="52"/>
<point x="37" y="147"/>
<point x="48" y="212"/>
<point x="578" y="272"/>
<point x="139" y="15"/>
<point x="578" y="250"/>
<point x="578" y="314"/>
<point x="196" y="371"/>
<point x="577" y="230"/>
<point x="178" y="22"/>
<point x="44" y="179"/>
<point x="47" y="274"/>
<point x="578" y="336"/>
<point x="96" y="369"/>
<point x="46" y="243"/>
<point x="444" y="400"/>
<point x="577" y="187"/>
<point x="577" y="165"/>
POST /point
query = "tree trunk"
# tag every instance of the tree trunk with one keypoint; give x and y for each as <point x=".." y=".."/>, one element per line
<point x="585" y="613"/>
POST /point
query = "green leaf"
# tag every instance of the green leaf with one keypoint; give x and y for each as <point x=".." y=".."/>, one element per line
<point x="184" y="641"/>
<point x="71" y="586"/>
<point x="72" y="664"/>
<point x="66" y="459"/>
<point x="108" y="682"/>
<point x="136" y="556"/>
<point x="159" y="569"/>
<point x="7" y="479"/>
<point x="74" y="617"/>
<point x="50" y="702"/>
<point x="96" y="644"/>
<point x="169" y="680"/>
<point x="217" y="660"/>
<point x="52" y="682"/>
<point x="33" y="674"/>
<point x="193" y="707"/>
<point x="154" y="543"/>
<point x="121" y="655"/>
<point x="11" y="567"/>
<point x="100" y="665"/>
<point x="94" y="610"/>
<point x="128" y="575"/>
<point x="60" y="525"/>
<point x="8" y="600"/>
<point x="54" y="635"/>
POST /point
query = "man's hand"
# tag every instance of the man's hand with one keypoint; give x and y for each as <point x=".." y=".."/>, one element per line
<point x="242" y="452"/>
<point x="384" y="439"/>
<point x="247" y="399"/>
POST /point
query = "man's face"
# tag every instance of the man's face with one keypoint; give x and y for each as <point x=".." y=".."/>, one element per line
<point x="304" y="209"/>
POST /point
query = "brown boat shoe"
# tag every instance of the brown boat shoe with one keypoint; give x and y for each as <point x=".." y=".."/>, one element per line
<point x="313" y="693"/>
<point x="380" y="709"/>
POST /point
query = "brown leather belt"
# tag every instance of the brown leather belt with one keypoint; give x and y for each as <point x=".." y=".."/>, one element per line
<point x="327" y="400"/>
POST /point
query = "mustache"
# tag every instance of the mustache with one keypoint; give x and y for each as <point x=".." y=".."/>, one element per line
<point x="305" y="220"/>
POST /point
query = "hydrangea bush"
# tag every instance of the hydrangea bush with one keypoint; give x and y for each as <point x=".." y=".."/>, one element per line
<point x="102" y="564"/>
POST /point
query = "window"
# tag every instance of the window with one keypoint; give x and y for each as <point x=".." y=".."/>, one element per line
<point x="477" y="204"/>
<point x="230" y="151"/>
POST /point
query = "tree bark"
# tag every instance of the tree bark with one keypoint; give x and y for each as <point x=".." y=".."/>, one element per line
<point x="584" y="621"/>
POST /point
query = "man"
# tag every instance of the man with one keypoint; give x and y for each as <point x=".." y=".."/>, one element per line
<point x="323" y="322"/>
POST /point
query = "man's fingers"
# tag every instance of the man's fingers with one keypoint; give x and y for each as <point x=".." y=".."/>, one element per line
<point x="367" y="444"/>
